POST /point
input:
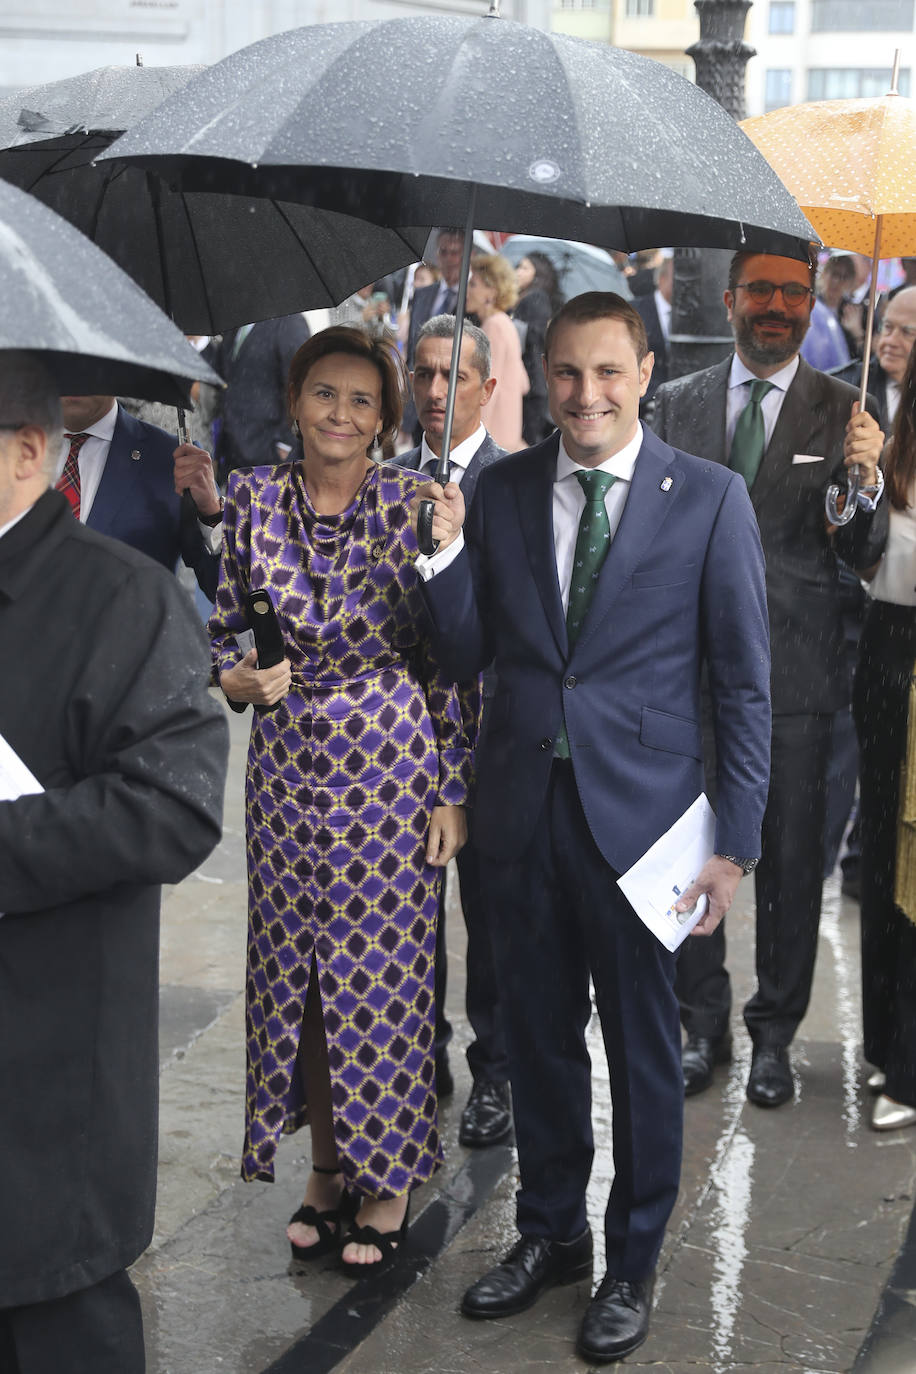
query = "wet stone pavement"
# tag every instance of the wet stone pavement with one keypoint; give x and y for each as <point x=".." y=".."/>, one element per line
<point x="790" y="1251"/>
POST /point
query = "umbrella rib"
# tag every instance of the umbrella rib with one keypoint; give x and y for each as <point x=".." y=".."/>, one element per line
<point x="199" y="261"/>
<point x="278" y="206"/>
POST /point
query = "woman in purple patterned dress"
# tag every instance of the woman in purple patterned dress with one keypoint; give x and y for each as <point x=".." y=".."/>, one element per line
<point x="358" y="770"/>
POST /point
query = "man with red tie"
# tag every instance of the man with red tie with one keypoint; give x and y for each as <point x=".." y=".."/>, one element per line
<point x="125" y="478"/>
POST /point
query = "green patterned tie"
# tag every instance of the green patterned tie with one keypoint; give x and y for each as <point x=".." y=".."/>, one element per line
<point x="750" y="440"/>
<point x="592" y="543"/>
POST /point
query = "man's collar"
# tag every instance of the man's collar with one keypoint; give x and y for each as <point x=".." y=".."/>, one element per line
<point x="782" y="379"/>
<point x="461" y="455"/>
<point x="4" y="529"/>
<point x="103" y="428"/>
<point x="621" y="463"/>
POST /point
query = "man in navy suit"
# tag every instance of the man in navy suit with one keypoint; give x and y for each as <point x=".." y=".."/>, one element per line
<point x="487" y="1117"/>
<point x="129" y="483"/>
<point x="593" y="750"/>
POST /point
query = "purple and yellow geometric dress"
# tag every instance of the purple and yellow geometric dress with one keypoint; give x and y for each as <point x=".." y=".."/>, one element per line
<point x="342" y="776"/>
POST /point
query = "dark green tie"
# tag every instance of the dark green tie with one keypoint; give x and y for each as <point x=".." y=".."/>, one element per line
<point x="750" y="439"/>
<point x="592" y="543"/>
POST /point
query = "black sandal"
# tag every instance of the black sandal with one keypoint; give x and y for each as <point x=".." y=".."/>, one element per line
<point x="390" y="1243"/>
<point x="328" y="1224"/>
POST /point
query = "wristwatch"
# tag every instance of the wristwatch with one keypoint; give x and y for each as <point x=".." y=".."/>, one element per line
<point x="748" y="865"/>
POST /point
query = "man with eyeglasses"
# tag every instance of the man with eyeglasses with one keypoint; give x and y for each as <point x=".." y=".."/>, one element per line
<point x="892" y="348"/>
<point x="789" y="430"/>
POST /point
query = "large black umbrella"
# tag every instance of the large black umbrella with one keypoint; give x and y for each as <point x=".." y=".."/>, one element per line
<point x="210" y="261"/>
<point x="93" y="327"/>
<point x="481" y="121"/>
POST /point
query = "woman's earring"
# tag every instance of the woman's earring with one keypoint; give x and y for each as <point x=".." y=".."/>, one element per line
<point x="376" y="452"/>
<point x="296" y="430"/>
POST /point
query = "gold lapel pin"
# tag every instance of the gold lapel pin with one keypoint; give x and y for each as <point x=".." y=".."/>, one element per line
<point x="135" y="454"/>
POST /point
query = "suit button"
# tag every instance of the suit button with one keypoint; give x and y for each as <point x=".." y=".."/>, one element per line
<point x="546" y="744"/>
<point x="570" y="683"/>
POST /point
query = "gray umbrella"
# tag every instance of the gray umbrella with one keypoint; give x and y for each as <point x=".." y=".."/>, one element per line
<point x="578" y="140"/>
<point x="92" y="326"/>
<point x="210" y="261"/>
<point x="579" y="266"/>
<point x="483" y="121"/>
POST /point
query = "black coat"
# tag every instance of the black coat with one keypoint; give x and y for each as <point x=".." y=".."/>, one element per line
<point x="803" y="581"/>
<point x="104" y="697"/>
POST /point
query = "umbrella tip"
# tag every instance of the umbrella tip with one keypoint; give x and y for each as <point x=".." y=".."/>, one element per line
<point x="895" y="74"/>
<point x="493" y="11"/>
<point x="139" y="60"/>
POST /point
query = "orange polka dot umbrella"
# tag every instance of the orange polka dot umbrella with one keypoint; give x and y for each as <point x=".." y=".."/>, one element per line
<point x="849" y="164"/>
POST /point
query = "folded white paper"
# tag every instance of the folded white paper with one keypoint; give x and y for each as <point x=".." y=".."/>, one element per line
<point x="15" y="778"/>
<point x="656" y="881"/>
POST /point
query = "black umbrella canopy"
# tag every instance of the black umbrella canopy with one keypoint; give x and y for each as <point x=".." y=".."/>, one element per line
<point x="94" y="329"/>
<point x="210" y="261"/>
<point x="570" y="138"/>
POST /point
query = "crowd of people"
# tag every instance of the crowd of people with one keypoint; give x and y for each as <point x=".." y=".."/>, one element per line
<point x="635" y="596"/>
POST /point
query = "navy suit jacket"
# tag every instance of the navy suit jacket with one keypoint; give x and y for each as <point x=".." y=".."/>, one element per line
<point x="682" y="585"/>
<point x="136" y="502"/>
<point x="488" y="452"/>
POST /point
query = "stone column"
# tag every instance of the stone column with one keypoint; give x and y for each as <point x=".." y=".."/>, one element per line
<point x="700" y="332"/>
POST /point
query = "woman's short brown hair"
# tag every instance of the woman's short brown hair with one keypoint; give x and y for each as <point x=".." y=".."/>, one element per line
<point x="384" y="357"/>
<point x="499" y="275"/>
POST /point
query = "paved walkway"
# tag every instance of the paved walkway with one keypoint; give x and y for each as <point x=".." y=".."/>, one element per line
<point x="791" y="1248"/>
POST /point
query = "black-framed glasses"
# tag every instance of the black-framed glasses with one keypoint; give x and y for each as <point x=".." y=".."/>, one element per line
<point x="761" y="292"/>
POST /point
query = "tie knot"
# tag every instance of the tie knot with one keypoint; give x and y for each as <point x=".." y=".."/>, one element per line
<point x="596" y="485"/>
<point x="759" y="389"/>
<point x="76" y="441"/>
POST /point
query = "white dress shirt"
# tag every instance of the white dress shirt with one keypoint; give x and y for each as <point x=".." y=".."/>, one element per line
<point x="895" y="579"/>
<point x="568" y="505"/>
<point x="891" y="401"/>
<point x="739" y="395"/>
<point x="460" y="456"/>
<point x="5" y="529"/>
<point x="92" y="459"/>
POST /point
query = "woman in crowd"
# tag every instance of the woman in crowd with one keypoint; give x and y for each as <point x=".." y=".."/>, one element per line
<point x="539" y="296"/>
<point x="358" y="769"/>
<point x="887" y="653"/>
<point x="491" y="293"/>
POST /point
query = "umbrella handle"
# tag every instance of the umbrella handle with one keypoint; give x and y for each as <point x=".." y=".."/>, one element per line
<point x="834" y="514"/>
<point x="425" y="511"/>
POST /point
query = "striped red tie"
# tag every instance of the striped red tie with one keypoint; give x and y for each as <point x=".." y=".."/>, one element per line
<point x="69" y="480"/>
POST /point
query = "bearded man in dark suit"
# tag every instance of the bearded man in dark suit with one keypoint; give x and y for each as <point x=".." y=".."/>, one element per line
<point x="788" y="429"/>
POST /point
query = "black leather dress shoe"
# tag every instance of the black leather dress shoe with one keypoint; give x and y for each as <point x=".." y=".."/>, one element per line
<point x="487" y="1118"/>
<point x="532" y="1266"/>
<point x="770" y="1082"/>
<point x="445" y="1083"/>
<point x="616" y="1321"/>
<point x="699" y="1057"/>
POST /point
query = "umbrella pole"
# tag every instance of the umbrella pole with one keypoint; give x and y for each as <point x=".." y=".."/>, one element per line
<point x="425" y="540"/>
<point x="835" y="515"/>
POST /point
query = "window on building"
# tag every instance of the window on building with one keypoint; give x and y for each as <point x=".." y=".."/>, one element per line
<point x="848" y="83"/>
<point x="782" y="16"/>
<point x="853" y="16"/>
<point x="640" y="9"/>
<point x="778" y="88"/>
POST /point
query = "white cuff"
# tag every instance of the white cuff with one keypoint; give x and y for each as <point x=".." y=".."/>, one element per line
<point x="428" y="564"/>
<point x="213" y="535"/>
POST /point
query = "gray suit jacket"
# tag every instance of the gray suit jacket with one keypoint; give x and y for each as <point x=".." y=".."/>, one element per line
<point x="803" y="584"/>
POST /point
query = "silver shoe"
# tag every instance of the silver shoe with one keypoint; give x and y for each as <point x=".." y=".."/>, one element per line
<point x="875" y="1081"/>
<point x="889" y="1115"/>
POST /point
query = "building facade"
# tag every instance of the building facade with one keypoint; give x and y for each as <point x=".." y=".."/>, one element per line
<point x="826" y="50"/>
<point x="46" y="40"/>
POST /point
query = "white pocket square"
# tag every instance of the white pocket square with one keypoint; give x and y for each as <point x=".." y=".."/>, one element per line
<point x="806" y="458"/>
